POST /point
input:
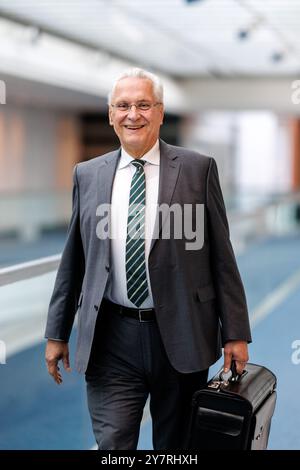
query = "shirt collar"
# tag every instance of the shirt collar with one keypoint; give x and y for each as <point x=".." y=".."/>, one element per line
<point x="152" y="156"/>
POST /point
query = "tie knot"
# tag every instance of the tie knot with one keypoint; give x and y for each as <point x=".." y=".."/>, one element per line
<point x="139" y="164"/>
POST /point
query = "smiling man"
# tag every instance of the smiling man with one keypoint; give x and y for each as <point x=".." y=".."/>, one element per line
<point x="152" y="314"/>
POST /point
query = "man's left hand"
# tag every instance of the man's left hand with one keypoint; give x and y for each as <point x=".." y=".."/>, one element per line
<point x="236" y="351"/>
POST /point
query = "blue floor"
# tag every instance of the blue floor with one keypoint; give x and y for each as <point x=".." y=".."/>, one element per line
<point x="37" y="414"/>
<point x="272" y="347"/>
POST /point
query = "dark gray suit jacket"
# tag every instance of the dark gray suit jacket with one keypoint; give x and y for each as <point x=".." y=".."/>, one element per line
<point x="198" y="295"/>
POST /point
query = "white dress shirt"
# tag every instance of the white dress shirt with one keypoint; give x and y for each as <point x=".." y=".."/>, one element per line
<point x="116" y="288"/>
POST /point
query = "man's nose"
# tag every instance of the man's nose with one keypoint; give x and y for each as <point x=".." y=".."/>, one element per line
<point x="133" y="112"/>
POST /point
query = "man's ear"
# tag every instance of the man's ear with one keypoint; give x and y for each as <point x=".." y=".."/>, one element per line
<point x="111" y="123"/>
<point x="162" y="115"/>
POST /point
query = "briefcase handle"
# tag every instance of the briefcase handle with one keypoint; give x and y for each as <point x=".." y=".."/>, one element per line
<point x="233" y="377"/>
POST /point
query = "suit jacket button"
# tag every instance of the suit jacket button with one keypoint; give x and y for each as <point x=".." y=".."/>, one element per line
<point x="107" y="268"/>
<point x="96" y="307"/>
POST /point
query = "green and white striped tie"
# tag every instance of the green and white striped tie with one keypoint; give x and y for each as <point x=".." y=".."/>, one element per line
<point x="137" y="286"/>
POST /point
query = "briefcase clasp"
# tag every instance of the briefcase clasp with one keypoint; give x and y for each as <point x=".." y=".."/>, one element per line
<point x="215" y="384"/>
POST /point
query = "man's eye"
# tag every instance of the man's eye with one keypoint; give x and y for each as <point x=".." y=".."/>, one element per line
<point x="122" y="106"/>
<point x="144" y="106"/>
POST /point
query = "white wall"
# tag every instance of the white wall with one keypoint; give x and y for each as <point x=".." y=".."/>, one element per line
<point x="252" y="150"/>
<point x="263" y="153"/>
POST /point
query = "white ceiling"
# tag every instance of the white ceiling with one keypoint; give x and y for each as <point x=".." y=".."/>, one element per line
<point x="175" y="37"/>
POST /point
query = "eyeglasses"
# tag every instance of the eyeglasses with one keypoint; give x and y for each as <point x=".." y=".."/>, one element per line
<point x="141" y="106"/>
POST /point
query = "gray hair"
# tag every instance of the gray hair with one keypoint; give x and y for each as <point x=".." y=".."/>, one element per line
<point x="140" y="73"/>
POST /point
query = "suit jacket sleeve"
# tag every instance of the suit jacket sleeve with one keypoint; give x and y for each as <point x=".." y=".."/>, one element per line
<point x="231" y="297"/>
<point x="65" y="296"/>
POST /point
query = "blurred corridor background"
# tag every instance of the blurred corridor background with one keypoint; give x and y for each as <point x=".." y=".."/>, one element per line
<point x="231" y="74"/>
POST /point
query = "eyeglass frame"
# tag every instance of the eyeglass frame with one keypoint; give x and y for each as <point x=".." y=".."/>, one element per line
<point x="129" y="106"/>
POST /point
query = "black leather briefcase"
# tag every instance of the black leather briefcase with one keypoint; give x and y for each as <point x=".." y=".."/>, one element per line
<point x="235" y="412"/>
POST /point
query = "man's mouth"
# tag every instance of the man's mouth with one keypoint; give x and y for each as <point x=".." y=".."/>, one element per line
<point x="134" y="128"/>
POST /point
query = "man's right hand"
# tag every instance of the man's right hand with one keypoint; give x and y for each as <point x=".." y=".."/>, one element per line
<point x="56" y="351"/>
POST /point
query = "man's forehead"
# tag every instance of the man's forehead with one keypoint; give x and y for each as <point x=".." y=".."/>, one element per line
<point x="139" y="87"/>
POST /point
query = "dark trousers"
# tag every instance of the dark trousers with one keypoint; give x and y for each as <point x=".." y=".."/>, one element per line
<point x="128" y="362"/>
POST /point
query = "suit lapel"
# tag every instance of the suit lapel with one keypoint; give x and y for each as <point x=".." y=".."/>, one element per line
<point x="105" y="177"/>
<point x="168" y="175"/>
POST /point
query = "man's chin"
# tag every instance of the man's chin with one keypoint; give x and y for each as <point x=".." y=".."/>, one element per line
<point x="134" y="148"/>
<point x="135" y="142"/>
